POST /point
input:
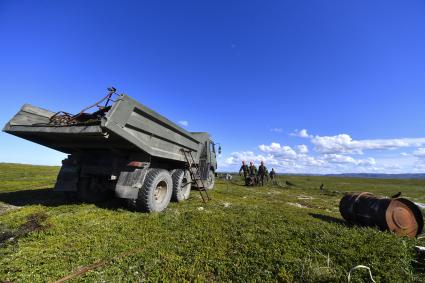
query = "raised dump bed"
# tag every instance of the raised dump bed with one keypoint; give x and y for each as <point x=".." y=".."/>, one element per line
<point x="125" y="148"/>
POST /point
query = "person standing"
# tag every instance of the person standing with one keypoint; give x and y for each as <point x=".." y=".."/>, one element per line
<point x="252" y="170"/>
<point x="262" y="172"/>
<point x="252" y="174"/>
<point x="244" y="169"/>
<point x="272" y="174"/>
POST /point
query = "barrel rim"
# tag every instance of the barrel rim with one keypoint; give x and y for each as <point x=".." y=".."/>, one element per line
<point x="416" y="212"/>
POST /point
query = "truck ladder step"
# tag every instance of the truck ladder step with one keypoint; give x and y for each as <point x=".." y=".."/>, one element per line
<point x="196" y="176"/>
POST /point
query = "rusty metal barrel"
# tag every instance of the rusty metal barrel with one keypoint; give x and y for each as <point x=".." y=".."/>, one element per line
<point x="398" y="215"/>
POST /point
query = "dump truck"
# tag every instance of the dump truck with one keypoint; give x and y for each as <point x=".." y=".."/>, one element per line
<point x="123" y="148"/>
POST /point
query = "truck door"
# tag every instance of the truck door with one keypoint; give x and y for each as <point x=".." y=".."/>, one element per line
<point x="212" y="155"/>
<point x="204" y="161"/>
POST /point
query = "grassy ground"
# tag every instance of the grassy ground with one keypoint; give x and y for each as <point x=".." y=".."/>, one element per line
<point x="243" y="234"/>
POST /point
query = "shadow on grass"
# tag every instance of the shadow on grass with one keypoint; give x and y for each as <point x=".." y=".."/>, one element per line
<point x="329" y="219"/>
<point x="419" y="262"/>
<point x="49" y="197"/>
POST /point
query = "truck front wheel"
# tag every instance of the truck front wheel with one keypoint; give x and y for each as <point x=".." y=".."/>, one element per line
<point x="182" y="183"/>
<point x="155" y="194"/>
<point x="210" y="180"/>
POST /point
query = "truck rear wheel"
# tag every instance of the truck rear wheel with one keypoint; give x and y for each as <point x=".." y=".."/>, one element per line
<point x="155" y="194"/>
<point x="181" y="185"/>
<point x="210" y="180"/>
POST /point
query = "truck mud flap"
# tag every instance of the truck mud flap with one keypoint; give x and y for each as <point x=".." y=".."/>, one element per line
<point x="129" y="183"/>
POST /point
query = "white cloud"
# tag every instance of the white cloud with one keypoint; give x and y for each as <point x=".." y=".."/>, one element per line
<point x="291" y="163"/>
<point x="335" y="154"/>
<point x="419" y="168"/>
<point x="368" y="162"/>
<point x="344" y="144"/>
<point x="277" y="150"/>
<point x="276" y="130"/>
<point x="184" y="123"/>
<point x="301" y="133"/>
<point x="248" y="156"/>
<point x="303" y="149"/>
<point x="420" y="152"/>
<point x="339" y="158"/>
<point x="322" y="164"/>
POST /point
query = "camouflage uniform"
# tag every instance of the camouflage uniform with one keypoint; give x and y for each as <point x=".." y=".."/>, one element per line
<point x="262" y="172"/>
<point x="251" y="180"/>
<point x="245" y="170"/>
<point x="252" y="171"/>
<point x="272" y="174"/>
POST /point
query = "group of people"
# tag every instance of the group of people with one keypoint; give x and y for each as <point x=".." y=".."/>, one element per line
<point x="253" y="176"/>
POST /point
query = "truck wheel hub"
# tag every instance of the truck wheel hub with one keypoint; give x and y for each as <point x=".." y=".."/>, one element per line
<point x="160" y="191"/>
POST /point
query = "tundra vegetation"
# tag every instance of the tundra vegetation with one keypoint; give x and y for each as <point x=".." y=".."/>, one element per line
<point x="286" y="233"/>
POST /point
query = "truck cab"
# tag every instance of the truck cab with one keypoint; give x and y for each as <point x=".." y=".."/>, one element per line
<point x="213" y="155"/>
<point x="207" y="158"/>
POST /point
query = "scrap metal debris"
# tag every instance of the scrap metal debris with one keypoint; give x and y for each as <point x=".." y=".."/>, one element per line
<point x="62" y="118"/>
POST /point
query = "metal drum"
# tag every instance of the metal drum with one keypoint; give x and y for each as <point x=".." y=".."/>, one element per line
<point x="397" y="215"/>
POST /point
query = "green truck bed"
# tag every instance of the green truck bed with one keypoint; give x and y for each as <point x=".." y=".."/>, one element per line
<point x="127" y="125"/>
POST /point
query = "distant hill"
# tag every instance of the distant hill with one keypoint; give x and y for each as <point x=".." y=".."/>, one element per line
<point x="380" y="175"/>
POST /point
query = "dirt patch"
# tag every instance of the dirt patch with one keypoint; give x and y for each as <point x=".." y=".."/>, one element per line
<point x="34" y="222"/>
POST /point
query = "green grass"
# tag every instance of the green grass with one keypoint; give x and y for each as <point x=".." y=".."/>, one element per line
<point x="20" y="177"/>
<point x="243" y="234"/>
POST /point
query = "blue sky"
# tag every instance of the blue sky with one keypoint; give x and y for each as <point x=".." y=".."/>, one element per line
<point x="254" y="74"/>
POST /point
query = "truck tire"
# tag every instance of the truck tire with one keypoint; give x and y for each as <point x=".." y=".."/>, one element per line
<point x="210" y="180"/>
<point x="155" y="194"/>
<point x="92" y="190"/>
<point x="181" y="185"/>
